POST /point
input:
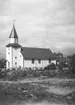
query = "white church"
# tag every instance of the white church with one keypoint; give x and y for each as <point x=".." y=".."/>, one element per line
<point x="25" y="57"/>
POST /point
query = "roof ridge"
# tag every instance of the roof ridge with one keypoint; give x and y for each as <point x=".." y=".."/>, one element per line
<point x="36" y="48"/>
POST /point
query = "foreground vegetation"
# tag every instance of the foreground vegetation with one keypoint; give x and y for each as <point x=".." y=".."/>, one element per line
<point x="47" y="90"/>
<point x="53" y="84"/>
<point x="50" y="85"/>
<point x="19" y="74"/>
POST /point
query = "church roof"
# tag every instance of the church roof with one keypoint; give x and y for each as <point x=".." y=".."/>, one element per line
<point x="13" y="33"/>
<point x="36" y="53"/>
<point x="14" y="45"/>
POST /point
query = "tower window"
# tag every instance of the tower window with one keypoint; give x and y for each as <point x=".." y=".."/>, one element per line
<point x="15" y="63"/>
<point x="8" y="64"/>
<point x="15" y="57"/>
<point x="32" y="61"/>
<point x="8" y="52"/>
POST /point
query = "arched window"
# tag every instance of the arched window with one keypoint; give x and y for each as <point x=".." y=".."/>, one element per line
<point x="33" y="61"/>
<point x="15" y="57"/>
<point x="8" y="64"/>
<point x="49" y="60"/>
<point x="15" y="63"/>
<point x="39" y="61"/>
<point x="8" y="52"/>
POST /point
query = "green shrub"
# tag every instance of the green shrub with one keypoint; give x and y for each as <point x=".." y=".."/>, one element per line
<point x="52" y="66"/>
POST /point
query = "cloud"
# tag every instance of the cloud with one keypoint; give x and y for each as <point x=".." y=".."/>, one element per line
<point x="5" y="19"/>
<point x="41" y="23"/>
<point x="25" y="1"/>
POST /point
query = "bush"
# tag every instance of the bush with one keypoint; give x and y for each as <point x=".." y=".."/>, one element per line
<point x="16" y="74"/>
<point x="2" y="63"/>
<point x="3" y="74"/>
<point x="52" y="66"/>
<point x="21" y="74"/>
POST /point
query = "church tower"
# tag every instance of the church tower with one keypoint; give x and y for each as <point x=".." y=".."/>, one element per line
<point x="13" y="51"/>
<point x="13" y="36"/>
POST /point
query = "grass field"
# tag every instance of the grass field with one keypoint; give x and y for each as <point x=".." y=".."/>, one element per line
<point x="34" y="91"/>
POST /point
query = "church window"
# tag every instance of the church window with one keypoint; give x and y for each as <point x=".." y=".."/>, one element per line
<point x="32" y="61"/>
<point x="49" y="60"/>
<point x="15" y="63"/>
<point x="15" y="57"/>
<point x="39" y="61"/>
<point x="8" y="52"/>
<point x="8" y="64"/>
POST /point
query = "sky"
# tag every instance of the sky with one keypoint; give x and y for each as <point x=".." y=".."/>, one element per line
<point x="39" y="23"/>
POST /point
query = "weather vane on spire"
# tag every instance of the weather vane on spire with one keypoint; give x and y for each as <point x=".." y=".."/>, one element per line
<point x="13" y="22"/>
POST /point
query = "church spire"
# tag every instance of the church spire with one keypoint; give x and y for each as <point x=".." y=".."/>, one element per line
<point x="13" y="33"/>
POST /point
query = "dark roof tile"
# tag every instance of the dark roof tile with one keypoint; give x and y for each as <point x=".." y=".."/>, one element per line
<point x="36" y="53"/>
<point x="15" y="45"/>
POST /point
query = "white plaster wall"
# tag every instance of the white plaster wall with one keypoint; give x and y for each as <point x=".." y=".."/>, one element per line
<point x="19" y="59"/>
<point x="13" y="40"/>
<point x="9" y="56"/>
<point x="53" y="61"/>
<point x="20" y="62"/>
<point x="28" y="63"/>
<point x="45" y="63"/>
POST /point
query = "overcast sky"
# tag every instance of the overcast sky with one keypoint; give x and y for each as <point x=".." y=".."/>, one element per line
<point x="39" y="23"/>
